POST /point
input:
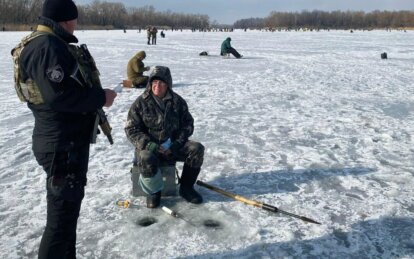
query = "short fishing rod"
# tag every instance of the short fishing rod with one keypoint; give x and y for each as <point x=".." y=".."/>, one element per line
<point x="176" y="215"/>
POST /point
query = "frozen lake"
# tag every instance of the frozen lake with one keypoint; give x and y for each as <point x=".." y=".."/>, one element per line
<point x="314" y="123"/>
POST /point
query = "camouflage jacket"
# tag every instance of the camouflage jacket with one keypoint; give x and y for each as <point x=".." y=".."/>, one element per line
<point x="147" y="122"/>
<point x="154" y="32"/>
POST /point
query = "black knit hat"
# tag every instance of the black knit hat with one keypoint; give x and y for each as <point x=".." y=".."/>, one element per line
<point x="60" y="10"/>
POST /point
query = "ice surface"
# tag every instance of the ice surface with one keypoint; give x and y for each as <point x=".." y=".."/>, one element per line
<point x="314" y="123"/>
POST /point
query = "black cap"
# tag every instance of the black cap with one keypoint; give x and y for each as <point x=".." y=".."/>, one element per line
<point x="60" y="10"/>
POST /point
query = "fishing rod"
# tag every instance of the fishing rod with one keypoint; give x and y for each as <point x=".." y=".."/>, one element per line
<point x="254" y="203"/>
<point x="176" y="215"/>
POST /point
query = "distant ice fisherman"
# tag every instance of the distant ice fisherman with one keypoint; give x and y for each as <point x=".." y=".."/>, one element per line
<point x="226" y="48"/>
<point x="136" y="69"/>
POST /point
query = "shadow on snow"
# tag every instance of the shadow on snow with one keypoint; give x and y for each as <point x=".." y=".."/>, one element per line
<point x="388" y="237"/>
<point x="282" y="181"/>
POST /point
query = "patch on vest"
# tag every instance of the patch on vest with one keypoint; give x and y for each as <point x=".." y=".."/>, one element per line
<point x="55" y="74"/>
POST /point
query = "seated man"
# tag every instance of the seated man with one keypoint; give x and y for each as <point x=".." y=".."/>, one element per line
<point x="159" y="125"/>
<point x="136" y="69"/>
<point x="227" y="48"/>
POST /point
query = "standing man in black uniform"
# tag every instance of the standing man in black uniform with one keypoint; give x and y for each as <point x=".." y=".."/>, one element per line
<point x="64" y="95"/>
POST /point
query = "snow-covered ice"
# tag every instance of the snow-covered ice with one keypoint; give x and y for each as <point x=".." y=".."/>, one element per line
<point x="314" y="123"/>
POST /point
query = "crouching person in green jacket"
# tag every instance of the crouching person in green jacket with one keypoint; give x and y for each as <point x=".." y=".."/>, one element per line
<point x="159" y="125"/>
<point x="136" y="69"/>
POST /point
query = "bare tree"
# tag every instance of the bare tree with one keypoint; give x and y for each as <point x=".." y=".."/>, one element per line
<point x="338" y="19"/>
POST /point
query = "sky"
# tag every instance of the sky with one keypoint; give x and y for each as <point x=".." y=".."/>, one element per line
<point x="229" y="11"/>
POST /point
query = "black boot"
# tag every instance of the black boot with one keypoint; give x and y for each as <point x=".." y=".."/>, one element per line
<point x="154" y="200"/>
<point x="188" y="178"/>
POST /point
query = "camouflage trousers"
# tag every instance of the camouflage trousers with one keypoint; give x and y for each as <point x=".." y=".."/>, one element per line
<point x="192" y="154"/>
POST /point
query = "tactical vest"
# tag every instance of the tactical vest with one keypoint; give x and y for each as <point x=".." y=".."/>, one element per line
<point x="86" y="71"/>
<point x="27" y="91"/>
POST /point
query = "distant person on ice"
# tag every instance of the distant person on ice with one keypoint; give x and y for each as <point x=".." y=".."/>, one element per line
<point x="149" y="35"/>
<point x="60" y="85"/>
<point x="136" y="69"/>
<point x="154" y="32"/>
<point x="159" y="125"/>
<point x="227" y="48"/>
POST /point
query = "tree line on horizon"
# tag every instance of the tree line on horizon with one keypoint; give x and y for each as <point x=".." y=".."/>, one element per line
<point x="331" y="20"/>
<point x="102" y="14"/>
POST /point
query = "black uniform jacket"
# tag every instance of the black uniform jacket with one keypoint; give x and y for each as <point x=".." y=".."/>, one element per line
<point x="68" y="113"/>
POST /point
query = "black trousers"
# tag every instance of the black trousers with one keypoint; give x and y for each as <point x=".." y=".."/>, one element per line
<point x="233" y="51"/>
<point x="66" y="179"/>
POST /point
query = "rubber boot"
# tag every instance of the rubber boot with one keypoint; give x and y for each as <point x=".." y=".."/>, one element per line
<point x="188" y="179"/>
<point x="154" y="200"/>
